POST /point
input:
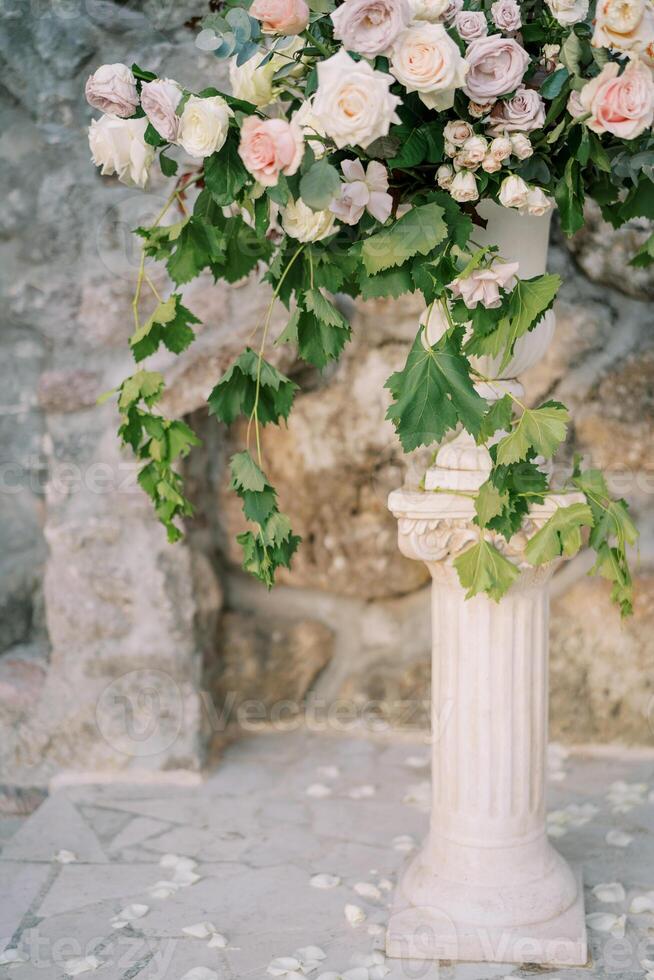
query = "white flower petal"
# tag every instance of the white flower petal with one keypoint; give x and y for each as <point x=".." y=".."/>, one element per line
<point x="607" y="922"/>
<point x="367" y="890"/>
<point x="362" y="792"/>
<point x="318" y="791"/>
<point x="376" y="958"/>
<point x="642" y="903"/>
<point x="65" y="857"/>
<point x="354" y="914"/>
<point x="283" y="965"/>
<point x="163" y="889"/>
<point x="374" y="929"/>
<point x="611" y="891"/>
<point x="217" y="941"/>
<point x="200" y="930"/>
<point x="81" y="964"/>
<point x="324" y="881"/>
<point x="647" y="965"/>
<point x="308" y="954"/>
<point x="416" y="761"/>
<point x="385" y="884"/>
<point x="10" y="957"/>
<point x="200" y="973"/>
<point x="403" y="842"/>
<point x="555" y="830"/>
<point x="358" y="973"/>
<point x="618" y="838"/>
<point x="132" y="912"/>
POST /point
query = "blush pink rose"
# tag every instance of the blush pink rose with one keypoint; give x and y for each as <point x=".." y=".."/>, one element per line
<point x="506" y="15"/>
<point x="497" y="65"/>
<point x="112" y="89"/>
<point x="471" y="24"/>
<point x="483" y="285"/>
<point x="159" y="100"/>
<point x="521" y="114"/>
<point x="281" y="16"/>
<point x="370" y="27"/>
<point x="269" y="147"/>
<point x="620" y="104"/>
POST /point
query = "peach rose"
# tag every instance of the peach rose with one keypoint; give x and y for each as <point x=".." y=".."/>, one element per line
<point x="281" y="16"/>
<point x="269" y="147"/>
<point x="625" y="25"/>
<point x="620" y="104"/>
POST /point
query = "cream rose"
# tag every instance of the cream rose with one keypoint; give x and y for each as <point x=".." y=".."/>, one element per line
<point x="159" y="100"/>
<point x="112" y="89"/>
<point x="369" y="27"/>
<point x="471" y="24"/>
<point x="521" y="114"/>
<point x="270" y="147"/>
<point x="625" y="25"/>
<point x="464" y="187"/>
<point x="457" y="131"/>
<point x="568" y="11"/>
<point x="252" y="83"/>
<point x="471" y="153"/>
<point x="118" y="147"/>
<point x="426" y="60"/>
<point x="620" y="104"/>
<point x="203" y="125"/>
<point x="311" y="128"/>
<point x="514" y="192"/>
<point x="300" y="222"/>
<point x="432" y="11"/>
<point x="354" y="104"/>
<point x="506" y="15"/>
<point x="538" y="202"/>
<point x="497" y="65"/>
<point x="445" y="176"/>
<point x="281" y="16"/>
<point x="521" y="146"/>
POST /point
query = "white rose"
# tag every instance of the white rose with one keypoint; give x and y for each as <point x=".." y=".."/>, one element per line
<point x="464" y="187"/>
<point x="473" y="151"/>
<point x="538" y="202"/>
<point x="521" y="146"/>
<point x="514" y="193"/>
<point x="491" y="164"/>
<point x="300" y="222"/>
<point x="159" y="100"/>
<point x="118" y="147"/>
<point x="426" y="60"/>
<point x="112" y="89"/>
<point x="625" y="25"/>
<point x="310" y="126"/>
<point x="568" y="11"/>
<point x="457" y="131"/>
<point x="501" y="148"/>
<point x="354" y="104"/>
<point x="444" y="176"/>
<point x="253" y="83"/>
<point x="203" y="125"/>
<point x="429" y="10"/>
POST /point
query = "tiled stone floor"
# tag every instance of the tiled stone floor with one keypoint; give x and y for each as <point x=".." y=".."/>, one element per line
<point x="279" y="810"/>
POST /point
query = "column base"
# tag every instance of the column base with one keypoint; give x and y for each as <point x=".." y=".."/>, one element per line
<point x="430" y="934"/>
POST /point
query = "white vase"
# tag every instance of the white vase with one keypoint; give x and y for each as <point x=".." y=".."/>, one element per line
<point x="487" y="884"/>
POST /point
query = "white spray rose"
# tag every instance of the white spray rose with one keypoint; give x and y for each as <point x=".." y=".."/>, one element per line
<point x="429" y="10"/>
<point x="472" y="152"/>
<point x="426" y="60"/>
<point x="354" y="104"/>
<point x="568" y="11"/>
<point x="203" y="125"/>
<point x="538" y="202"/>
<point x="253" y="83"/>
<point x="160" y="99"/>
<point x="118" y="147"/>
<point x="444" y="176"/>
<point x="305" y="225"/>
<point x="464" y="187"/>
<point x="521" y="146"/>
<point x="112" y="89"/>
<point x="514" y="192"/>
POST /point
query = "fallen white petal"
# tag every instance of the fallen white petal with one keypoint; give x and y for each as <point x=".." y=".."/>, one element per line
<point x="132" y="912"/>
<point x="357" y="973"/>
<point x="177" y="862"/>
<point x="65" y="857"/>
<point x="318" y="791"/>
<point x="185" y="877"/>
<point x="354" y="914"/>
<point x="385" y="884"/>
<point x="555" y="830"/>
<point x="362" y="792"/>
<point x="9" y="957"/>
<point x="163" y="889"/>
<point x="374" y="929"/>
<point x="200" y="930"/>
<point x="642" y="903"/>
<point x="284" y="966"/>
<point x="376" y="958"/>
<point x="647" y="965"/>
<point x="607" y="922"/>
<point x="217" y="941"/>
<point x="81" y="964"/>
<point x="403" y="842"/>
<point x="609" y="892"/>
<point x="309" y="954"/>
<point x="366" y="890"/>
<point x="324" y="881"/>
<point x="417" y="761"/>
<point x="200" y="973"/>
<point x="618" y="838"/>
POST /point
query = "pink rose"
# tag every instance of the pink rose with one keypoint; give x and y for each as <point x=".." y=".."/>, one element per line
<point x="112" y="89"/>
<point x="506" y="15"/>
<point x="521" y="114"/>
<point x="281" y="16"/>
<point x="269" y="147"/>
<point x="471" y="24"/>
<point x="620" y="104"/>
<point x="369" y="27"/>
<point x="159" y="100"/>
<point x="363" y="190"/>
<point x="483" y="285"/>
<point x="497" y="65"/>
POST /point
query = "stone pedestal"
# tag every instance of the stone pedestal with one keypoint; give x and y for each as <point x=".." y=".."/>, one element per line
<point x="487" y="884"/>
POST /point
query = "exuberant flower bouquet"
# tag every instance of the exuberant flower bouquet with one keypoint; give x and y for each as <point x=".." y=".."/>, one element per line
<point x="349" y="158"/>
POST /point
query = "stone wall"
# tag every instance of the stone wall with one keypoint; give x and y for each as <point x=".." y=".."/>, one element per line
<point x="95" y="605"/>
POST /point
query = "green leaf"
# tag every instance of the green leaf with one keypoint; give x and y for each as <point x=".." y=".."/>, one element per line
<point x="320" y="185"/>
<point x="482" y="568"/>
<point x="552" y="85"/>
<point x="521" y="484"/>
<point x="539" y="429"/>
<point x="417" y="232"/>
<point x="236" y="392"/>
<point x="497" y="418"/>
<point x="168" y="167"/>
<point x="169" y="324"/>
<point x="246" y="475"/>
<point x="433" y="393"/>
<point x="645" y="254"/>
<point x="489" y="503"/>
<point x="318" y="340"/>
<point x="225" y="175"/>
<point x="561" y="535"/>
<point x="146" y="385"/>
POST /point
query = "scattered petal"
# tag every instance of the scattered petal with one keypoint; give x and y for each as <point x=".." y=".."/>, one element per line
<point x="65" y="857"/>
<point x="404" y="842"/>
<point x="357" y="973"/>
<point x="367" y="890"/>
<point x="642" y="903"/>
<point x="200" y="930"/>
<point x="81" y="964"/>
<point x="607" y="922"/>
<point x="618" y="838"/>
<point x="374" y="929"/>
<point x="555" y="830"/>
<point x="647" y="965"/>
<point x="200" y="973"/>
<point x="284" y="966"/>
<point x="417" y="761"/>
<point x="625" y="796"/>
<point x="318" y="791"/>
<point x="324" y="881"/>
<point x="362" y="792"/>
<point x="163" y="889"/>
<point x="354" y="914"/>
<point x="310" y="954"/>
<point x="609" y="892"/>
<point x="217" y="941"/>
<point x="12" y="957"/>
<point x="385" y="884"/>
